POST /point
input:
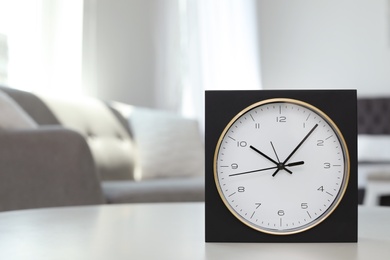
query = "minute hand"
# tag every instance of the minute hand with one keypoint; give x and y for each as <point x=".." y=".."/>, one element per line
<point x="296" y="148"/>
<point x="299" y="145"/>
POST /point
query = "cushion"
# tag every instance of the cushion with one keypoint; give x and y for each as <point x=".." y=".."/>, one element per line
<point x="111" y="146"/>
<point x="373" y="115"/>
<point x="12" y="116"/>
<point x="32" y="105"/>
<point x="374" y="148"/>
<point x="169" y="145"/>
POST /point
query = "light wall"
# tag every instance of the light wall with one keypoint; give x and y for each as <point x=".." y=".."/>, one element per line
<point x="303" y="44"/>
<point x="118" y="50"/>
<point x="326" y="44"/>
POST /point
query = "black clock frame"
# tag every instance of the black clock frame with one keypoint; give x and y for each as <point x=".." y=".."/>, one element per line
<point x="222" y="106"/>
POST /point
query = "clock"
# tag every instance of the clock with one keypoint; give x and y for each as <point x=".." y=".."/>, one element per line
<point x="281" y="165"/>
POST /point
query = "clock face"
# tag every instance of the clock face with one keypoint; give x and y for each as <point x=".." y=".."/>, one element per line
<point x="281" y="166"/>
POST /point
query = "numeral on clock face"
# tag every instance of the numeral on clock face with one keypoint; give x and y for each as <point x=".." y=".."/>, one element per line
<point x="281" y="119"/>
<point x="273" y="159"/>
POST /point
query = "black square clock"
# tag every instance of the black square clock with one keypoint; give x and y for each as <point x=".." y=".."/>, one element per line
<point x="281" y="166"/>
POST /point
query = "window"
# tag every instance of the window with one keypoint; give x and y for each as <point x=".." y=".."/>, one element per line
<point x="41" y="44"/>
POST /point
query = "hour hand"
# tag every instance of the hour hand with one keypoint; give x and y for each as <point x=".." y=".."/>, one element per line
<point x="269" y="158"/>
<point x="263" y="154"/>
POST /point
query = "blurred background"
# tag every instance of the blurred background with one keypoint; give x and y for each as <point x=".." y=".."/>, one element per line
<point x="164" y="54"/>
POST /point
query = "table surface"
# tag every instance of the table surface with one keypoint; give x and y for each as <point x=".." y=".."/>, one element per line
<point x="163" y="231"/>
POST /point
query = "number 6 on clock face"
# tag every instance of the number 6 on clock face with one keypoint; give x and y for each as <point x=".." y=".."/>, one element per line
<point x="281" y="166"/>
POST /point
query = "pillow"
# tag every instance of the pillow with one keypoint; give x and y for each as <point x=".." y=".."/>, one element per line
<point x="110" y="144"/>
<point x="169" y="145"/>
<point x="374" y="148"/>
<point x="12" y="116"/>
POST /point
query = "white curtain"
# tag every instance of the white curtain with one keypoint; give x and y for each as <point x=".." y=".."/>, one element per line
<point x="207" y="45"/>
<point x="44" y="44"/>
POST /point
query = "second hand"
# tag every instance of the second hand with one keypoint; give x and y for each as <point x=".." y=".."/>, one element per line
<point x="269" y="168"/>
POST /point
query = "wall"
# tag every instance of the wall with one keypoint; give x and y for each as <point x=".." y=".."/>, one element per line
<point x="303" y="43"/>
<point x="118" y="50"/>
<point x="131" y="49"/>
<point x="3" y="59"/>
<point x="326" y="44"/>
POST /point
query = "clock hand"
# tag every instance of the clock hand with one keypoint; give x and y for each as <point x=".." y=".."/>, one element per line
<point x="277" y="157"/>
<point x="295" y="163"/>
<point x="269" y="158"/>
<point x="280" y="166"/>
<point x="269" y="168"/>
<point x="299" y="145"/>
<point x="296" y="148"/>
<point x="259" y="170"/>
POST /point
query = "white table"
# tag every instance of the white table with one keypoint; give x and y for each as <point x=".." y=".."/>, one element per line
<point x="162" y="231"/>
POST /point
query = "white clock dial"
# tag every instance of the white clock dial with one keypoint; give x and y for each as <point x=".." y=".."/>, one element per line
<point x="281" y="166"/>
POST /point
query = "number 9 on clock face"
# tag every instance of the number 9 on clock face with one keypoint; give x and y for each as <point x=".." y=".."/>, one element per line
<point x="281" y="166"/>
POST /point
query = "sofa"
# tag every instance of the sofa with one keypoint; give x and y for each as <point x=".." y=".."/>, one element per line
<point x="138" y="154"/>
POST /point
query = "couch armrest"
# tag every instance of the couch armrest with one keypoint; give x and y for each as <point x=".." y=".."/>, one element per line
<point x="46" y="167"/>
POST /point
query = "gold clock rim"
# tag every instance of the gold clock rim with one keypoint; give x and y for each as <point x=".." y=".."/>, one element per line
<point x="340" y="136"/>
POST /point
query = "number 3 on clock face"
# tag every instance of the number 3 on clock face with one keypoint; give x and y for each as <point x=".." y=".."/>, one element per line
<point x="281" y="166"/>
